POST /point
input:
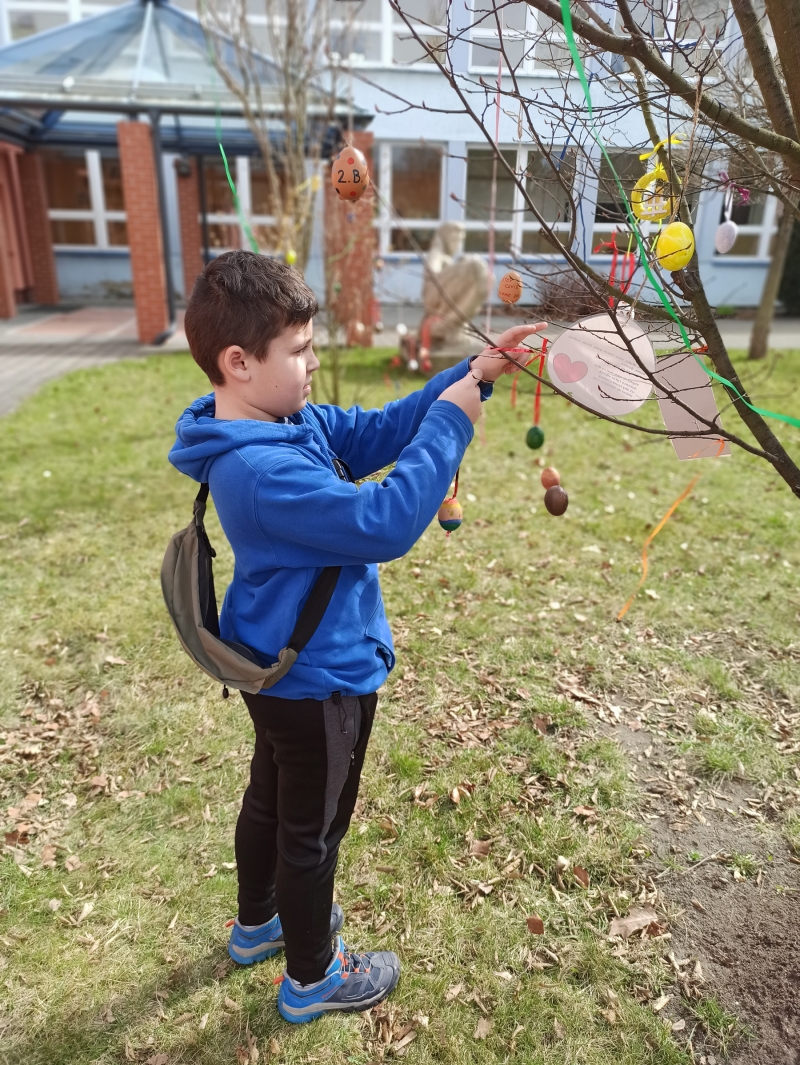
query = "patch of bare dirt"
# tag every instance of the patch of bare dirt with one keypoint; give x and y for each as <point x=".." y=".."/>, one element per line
<point x="732" y="889"/>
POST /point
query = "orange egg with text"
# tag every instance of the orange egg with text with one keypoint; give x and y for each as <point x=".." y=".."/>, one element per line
<point x="350" y="175"/>
<point x="510" y="288"/>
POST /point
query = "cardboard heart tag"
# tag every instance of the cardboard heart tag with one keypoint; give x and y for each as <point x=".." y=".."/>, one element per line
<point x="604" y="363"/>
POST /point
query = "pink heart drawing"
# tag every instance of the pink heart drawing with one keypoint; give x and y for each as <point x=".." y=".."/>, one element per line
<point x="567" y="370"/>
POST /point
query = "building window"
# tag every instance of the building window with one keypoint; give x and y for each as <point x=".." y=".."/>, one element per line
<point x="358" y="38"/>
<point x="26" y="21"/>
<point x="611" y="214"/>
<point x="517" y="23"/>
<point x="548" y="185"/>
<point x="413" y="174"/>
<point x="428" y="19"/>
<point x="758" y="223"/>
<point x="84" y="195"/>
<point x="255" y="198"/>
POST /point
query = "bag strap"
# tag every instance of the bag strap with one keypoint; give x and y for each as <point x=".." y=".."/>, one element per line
<point x="200" y="501"/>
<point x="321" y="594"/>
<point x="314" y="609"/>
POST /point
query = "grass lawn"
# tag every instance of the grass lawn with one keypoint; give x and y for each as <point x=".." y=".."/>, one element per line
<point x="122" y="768"/>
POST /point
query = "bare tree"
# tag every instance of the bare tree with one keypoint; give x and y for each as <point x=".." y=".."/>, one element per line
<point x="286" y="105"/>
<point x="675" y="72"/>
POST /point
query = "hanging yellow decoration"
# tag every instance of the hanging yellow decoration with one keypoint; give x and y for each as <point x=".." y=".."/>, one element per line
<point x="675" y="246"/>
<point x="650" y="199"/>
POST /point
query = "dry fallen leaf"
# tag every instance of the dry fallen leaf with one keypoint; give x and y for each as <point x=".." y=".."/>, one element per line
<point x="453" y="992"/>
<point x="157" y="1059"/>
<point x="581" y="875"/>
<point x="85" y="911"/>
<point x="660" y="1003"/>
<point x="72" y="863"/>
<point x="49" y="857"/>
<point x="455" y="795"/>
<point x="483" y="1029"/>
<point x="112" y="660"/>
<point x="54" y="904"/>
<point x="535" y="925"/>
<point x="588" y="812"/>
<point x="678" y="1026"/>
<point x="274" y="1046"/>
<point x="203" y="1022"/>
<point x="559" y="1031"/>
<point x="480" y="848"/>
<point x="106" y="1015"/>
<point x="231" y="1005"/>
<point x="639" y="917"/>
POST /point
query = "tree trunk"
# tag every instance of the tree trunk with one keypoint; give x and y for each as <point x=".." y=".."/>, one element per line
<point x="759" y="340"/>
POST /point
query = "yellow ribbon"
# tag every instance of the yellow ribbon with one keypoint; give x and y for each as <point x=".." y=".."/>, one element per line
<point x="660" y="145"/>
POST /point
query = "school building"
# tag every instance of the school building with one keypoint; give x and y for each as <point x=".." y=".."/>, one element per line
<point x="112" y="185"/>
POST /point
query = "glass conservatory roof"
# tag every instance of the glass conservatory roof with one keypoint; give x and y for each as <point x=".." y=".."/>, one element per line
<point x="142" y="56"/>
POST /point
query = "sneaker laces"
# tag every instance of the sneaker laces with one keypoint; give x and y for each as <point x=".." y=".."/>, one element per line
<point x="353" y="962"/>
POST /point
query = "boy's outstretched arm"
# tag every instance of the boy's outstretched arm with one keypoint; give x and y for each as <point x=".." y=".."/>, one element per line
<point x="333" y="522"/>
<point x="369" y="440"/>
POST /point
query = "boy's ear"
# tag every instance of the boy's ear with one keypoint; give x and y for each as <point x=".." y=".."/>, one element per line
<point x="233" y="364"/>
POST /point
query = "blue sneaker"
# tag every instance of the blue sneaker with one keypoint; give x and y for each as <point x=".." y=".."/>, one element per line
<point x="352" y="983"/>
<point x="249" y="946"/>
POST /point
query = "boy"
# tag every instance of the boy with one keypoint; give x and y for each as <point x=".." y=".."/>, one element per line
<point x="281" y="474"/>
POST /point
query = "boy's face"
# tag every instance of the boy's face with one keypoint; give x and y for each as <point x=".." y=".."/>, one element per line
<point x="275" y="388"/>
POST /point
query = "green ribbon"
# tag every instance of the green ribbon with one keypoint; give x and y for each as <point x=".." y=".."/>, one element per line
<point x="237" y="203"/>
<point x="729" y="385"/>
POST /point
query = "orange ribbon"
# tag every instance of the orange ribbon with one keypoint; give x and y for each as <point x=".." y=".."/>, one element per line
<point x="652" y="537"/>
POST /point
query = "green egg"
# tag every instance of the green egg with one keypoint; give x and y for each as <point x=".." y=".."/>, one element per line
<point x="535" y="437"/>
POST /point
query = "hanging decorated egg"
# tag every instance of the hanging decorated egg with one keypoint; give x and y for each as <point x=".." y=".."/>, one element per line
<point x="725" y="237"/>
<point x="550" y="477"/>
<point x="556" y="500"/>
<point x="675" y="246"/>
<point x="650" y="199"/>
<point x="534" y="438"/>
<point x="349" y="174"/>
<point x="510" y="288"/>
<point x="450" y="515"/>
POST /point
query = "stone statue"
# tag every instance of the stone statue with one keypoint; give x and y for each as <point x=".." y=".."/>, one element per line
<point x="451" y="297"/>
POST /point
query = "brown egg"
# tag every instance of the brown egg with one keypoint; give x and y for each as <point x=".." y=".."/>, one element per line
<point x="556" y="500"/>
<point x="349" y="174"/>
<point x="550" y="477"/>
<point x="510" y="288"/>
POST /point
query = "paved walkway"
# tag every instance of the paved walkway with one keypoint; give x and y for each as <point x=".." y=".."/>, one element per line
<point x="37" y="346"/>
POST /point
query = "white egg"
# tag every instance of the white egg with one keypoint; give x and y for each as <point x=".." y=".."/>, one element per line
<point x="726" y="237"/>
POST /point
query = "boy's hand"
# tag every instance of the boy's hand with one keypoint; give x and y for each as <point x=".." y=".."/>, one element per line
<point x="466" y="394"/>
<point x="492" y="364"/>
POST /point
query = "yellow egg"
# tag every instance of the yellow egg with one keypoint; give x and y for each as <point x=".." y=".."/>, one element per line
<point x="675" y="246"/>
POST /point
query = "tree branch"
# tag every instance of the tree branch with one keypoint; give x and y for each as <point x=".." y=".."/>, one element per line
<point x="639" y="48"/>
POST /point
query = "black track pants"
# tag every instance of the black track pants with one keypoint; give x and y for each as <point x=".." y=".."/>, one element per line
<point x="303" y="787"/>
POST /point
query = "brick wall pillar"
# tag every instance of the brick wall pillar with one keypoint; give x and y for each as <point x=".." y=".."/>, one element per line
<point x="8" y="303"/>
<point x="349" y="254"/>
<point x="189" y="217"/>
<point x="144" y="228"/>
<point x="37" y="224"/>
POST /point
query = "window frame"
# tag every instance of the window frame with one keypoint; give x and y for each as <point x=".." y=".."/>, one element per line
<point x="518" y="226"/>
<point x="386" y="220"/>
<point x="97" y="213"/>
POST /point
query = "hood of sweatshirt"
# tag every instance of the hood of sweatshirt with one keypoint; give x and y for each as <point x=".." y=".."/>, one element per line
<point x="201" y="438"/>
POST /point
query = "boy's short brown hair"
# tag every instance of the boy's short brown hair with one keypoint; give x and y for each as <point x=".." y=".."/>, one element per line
<point x="245" y="299"/>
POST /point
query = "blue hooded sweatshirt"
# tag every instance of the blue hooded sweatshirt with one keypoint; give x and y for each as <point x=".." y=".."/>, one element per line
<point x="287" y="514"/>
